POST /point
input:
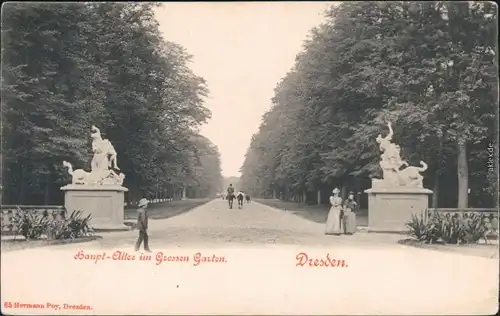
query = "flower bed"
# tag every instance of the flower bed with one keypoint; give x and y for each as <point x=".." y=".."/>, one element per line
<point x="452" y="228"/>
<point x="35" y="225"/>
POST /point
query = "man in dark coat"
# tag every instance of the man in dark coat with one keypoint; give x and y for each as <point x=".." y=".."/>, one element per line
<point x="230" y="195"/>
<point x="142" y="225"/>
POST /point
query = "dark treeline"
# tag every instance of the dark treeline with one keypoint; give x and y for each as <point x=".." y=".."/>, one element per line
<point x="69" y="66"/>
<point x="428" y="67"/>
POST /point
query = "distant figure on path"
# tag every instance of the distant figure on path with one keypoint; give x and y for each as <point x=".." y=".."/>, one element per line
<point x="334" y="219"/>
<point x="247" y="198"/>
<point x="349" y="221"/>
<point x="240" y="196"/>
<point x="230" y="195"/>
<point x="142" y="225"/>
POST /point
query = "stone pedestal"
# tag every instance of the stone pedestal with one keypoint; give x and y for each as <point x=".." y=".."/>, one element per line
<point x="105" y="203"/>
<point x="389" y="209"/>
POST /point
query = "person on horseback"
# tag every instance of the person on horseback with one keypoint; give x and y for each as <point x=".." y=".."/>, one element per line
<point x="240" y="196"/>
<point x="230" y="195"/>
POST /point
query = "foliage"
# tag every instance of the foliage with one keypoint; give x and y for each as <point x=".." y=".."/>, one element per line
<point x="34" y="225"/>
<point x="68" y="66"/>
<point x="459" y="228"/>
<point x="428" y="67"/>
<point x="29" y="224"/>
<point x="71" y="227"/>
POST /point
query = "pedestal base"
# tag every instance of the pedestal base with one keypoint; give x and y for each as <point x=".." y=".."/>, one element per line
<point x="105" y="203"/>
<point x="389" y="209"/>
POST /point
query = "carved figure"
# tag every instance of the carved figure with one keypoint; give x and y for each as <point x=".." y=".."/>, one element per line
<point x="102" y="172"/>
<point x="80" y="176"/>
<point x="102" y="148"/>
<point x="113" y="178"/>
<point x="411" y="177"/>
<point x="391" y="164"/>
<point x="390" y="151"/>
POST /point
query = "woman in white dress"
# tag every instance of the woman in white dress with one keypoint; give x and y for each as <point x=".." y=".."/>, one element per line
<point x="334" y="215"/>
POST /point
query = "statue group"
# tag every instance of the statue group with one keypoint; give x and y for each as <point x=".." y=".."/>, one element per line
<point x="394" y="199"/>
<point x="103" y="165"/>
<point x="391" y="164"/>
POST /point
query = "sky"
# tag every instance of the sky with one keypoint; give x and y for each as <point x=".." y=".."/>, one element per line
<point x="242" y="50"/>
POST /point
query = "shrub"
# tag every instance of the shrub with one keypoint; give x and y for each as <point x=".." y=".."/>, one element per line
<point x="417" y="227"/>
<point x="70" y="227"/>
<point x="459" y="228"/>
<point x="28" y="224"/>
<point x="33" y="225"/>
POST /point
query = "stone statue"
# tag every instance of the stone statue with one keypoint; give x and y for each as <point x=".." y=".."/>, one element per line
<point x="79" y="176"/>
<point x="102" y="164"/>
<point x="102" y="149"/>
<point x="391" y="164"/>
<point x="411" y="177"/>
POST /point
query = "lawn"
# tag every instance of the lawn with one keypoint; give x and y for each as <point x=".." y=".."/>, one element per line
<point x="167" y="209"/>
<point x="313" y="213"/>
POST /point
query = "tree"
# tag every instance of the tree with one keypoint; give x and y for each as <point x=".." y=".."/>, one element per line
<point x="428" y="67"/>
<point x="70" y="66"/>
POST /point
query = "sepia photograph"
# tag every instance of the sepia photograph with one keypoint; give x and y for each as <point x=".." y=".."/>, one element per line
<point x="249" y="158"/>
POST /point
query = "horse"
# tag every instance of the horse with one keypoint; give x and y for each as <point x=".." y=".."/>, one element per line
<point x="247" y="197"/>
<point x="240" y="196"/>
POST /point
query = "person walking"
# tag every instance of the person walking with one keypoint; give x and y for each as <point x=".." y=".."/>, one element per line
<point x="230" y="195"/>
<point x="349" y="221"/>
<point x="142" y="225"/>
<point x="333" y="221"/>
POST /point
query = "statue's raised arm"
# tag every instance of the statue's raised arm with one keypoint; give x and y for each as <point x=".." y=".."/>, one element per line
<point x="391" y="132"/>
<point x="385" y="141"/>
<point x="95" y="134"/>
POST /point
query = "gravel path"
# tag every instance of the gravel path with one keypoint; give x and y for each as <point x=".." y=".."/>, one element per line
<point x="255" y="271"/>
<point x="213" y="224"/>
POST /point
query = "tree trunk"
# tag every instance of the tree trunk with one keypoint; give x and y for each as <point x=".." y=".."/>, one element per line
<point x="318" y="197"/>
<point x="304" y="196"/>
<point x="343" y="191"/>
<point x="22" y="193"/>
<point x="435" y="191"/>
<point x="274" y="194"/>
<point x="463" y="174"/>
<point x="184" y="193"/>
<point x="47" y="190"/>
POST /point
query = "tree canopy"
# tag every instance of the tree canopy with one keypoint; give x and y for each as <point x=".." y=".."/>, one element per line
<point x="72" y="65"/>
<point x="428" y="67"/>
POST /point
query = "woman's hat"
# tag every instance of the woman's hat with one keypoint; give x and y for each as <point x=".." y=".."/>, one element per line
<point x="336" y="190"/>
<point x="143" y="202"/>
<point x="351" y="193"/>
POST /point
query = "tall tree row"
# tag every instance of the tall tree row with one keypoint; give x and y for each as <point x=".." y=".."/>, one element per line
<point x="69" y="66"/>
<point x="430" y="68"/>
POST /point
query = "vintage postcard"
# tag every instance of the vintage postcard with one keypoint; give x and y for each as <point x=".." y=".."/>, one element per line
<point x="249" y="158"/>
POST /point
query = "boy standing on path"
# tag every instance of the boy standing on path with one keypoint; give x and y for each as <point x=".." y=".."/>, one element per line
<point x="142" y="225"/>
